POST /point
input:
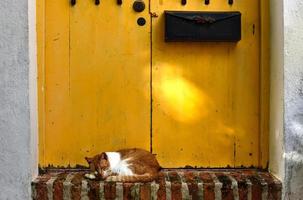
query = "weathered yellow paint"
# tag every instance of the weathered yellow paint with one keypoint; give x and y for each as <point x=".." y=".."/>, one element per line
<point x="97" y="94"/>
<point x="40" y="61"/>
<point x="264" y="93"/>
<point x="209" y="102"/>
<point x="206" y="96"/>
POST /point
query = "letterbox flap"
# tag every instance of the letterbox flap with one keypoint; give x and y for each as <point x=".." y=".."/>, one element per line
<point x="202" y="26"/>
<point x="204" y="17"/>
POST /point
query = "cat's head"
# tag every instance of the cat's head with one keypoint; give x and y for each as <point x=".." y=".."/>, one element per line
<point x="98" y="164"/>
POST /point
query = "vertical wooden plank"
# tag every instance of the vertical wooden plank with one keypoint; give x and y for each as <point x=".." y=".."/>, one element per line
<point x="52" y="38"/>
<point x="110" y="71"/>
<point x="206" y="96"/>
<point x="56" y="70"/>
<point x="265" y="74"/>
<point x="40" y="19"/>
<point x="97" y="80"/>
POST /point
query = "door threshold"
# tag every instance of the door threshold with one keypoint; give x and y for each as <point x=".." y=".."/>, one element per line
<point x="172" y="184"/>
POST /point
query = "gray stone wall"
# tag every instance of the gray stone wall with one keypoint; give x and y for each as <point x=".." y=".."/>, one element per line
<point x="293" y="98"/>
<point x="16" y="144"/>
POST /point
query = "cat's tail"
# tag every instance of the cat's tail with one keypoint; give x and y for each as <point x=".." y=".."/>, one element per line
<point x="134" y="178"/>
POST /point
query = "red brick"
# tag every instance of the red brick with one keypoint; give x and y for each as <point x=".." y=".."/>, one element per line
<point x="145" y="191"/>
<point x="127" y="190"/>
<point x="94" y="189"/>
<point x="208" y="186"/>
<point x="58" y="186"/>
<point x="241" y="176"/>
<point x="192" y="183"/>
<point x="256" y="184"/>
<point x="162" y="189"/>
<point x="242" y="184"/>
<point x="176" y="186"/>
<point x="76" y="186"/>
<point x="209" y="191"/>
<point x="274" y="186"/>
<point x="40" y="187"/>
<point x="206" y="177"/>
<point x="227" y="191"/>
<point x="109" y="190"/>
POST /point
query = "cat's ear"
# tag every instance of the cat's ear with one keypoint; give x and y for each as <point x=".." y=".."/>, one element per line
<point x="104" y="156"/>
<point x="89" y="160"/>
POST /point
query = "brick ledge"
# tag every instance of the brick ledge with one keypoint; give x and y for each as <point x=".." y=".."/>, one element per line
<point x="172" y="184"/>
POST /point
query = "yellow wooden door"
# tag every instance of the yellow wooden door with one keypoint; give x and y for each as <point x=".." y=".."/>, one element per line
<point x="206" y="95"/>
<point x="97" y="80"/>
<point x="107" y="83"/>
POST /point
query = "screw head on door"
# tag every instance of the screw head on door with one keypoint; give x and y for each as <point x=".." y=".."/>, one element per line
<point x="139" y="6"/>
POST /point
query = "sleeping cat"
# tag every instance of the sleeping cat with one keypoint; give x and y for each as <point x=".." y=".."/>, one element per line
<point x="126" y="165"/>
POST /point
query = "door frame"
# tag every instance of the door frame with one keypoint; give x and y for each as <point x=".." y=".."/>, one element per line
<point x="264" y="81"/>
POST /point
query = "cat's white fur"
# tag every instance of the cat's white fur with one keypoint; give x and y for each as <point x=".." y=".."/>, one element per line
<point x="117" y="165"/>
<point x="121" y="167"/>
<point x="90" y="176"/>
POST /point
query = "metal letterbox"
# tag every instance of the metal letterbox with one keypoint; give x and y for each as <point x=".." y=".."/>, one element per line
<point x="202" y="26"/>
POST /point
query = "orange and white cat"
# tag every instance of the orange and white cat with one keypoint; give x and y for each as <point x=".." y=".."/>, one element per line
<point x="126" y="165"/>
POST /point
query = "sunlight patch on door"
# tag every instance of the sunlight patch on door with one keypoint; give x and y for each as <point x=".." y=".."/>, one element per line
<point x="180" y="98"/>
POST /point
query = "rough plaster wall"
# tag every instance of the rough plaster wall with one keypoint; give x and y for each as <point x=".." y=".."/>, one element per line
<point x="33" y="80"/>
<point x="16" y="150"/>
<point x="276" y="144"/>
<point x="293" y="99"/>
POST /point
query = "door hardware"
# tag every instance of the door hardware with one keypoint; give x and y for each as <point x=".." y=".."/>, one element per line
<point x="184" y="26"/>
<point x="141" y="21"/>
<point x="154" y="14"/>
<point x="73" y="2"/>
<point x="139" y="6"/>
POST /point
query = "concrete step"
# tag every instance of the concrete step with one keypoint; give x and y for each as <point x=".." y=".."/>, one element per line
<point x="171" y="184"/>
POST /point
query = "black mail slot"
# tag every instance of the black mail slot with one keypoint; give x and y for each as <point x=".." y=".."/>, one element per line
<point x="202" y="26"/>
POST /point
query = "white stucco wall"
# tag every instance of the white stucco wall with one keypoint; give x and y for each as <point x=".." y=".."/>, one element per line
<point x="286" y="128"/>
<point x="293" y="98"/>
<point x="17" y="100"/>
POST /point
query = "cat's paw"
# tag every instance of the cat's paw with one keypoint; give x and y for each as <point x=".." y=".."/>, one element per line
<point x="90" y="176"/>
<point x="111" y="179"/>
